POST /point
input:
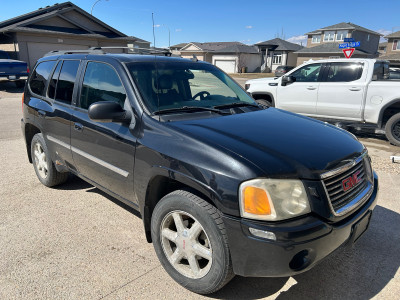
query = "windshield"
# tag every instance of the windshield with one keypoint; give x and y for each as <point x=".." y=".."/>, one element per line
<point x="185" y="84"/>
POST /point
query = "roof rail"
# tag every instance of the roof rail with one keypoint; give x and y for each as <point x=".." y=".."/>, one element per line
<point x="101" y="50"/>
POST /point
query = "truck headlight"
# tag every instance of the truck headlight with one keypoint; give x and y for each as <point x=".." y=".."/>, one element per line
<point x="273" y="199"/>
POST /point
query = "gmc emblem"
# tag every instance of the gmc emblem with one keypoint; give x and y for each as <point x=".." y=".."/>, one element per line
<point x="351" y="181"/>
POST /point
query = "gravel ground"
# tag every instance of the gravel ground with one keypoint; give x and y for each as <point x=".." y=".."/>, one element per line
<point x="75" y="242"/>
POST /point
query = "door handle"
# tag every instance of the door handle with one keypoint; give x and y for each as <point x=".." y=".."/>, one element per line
<point x="355" y="89"/>
<point x="41" y="113"/>
<point x="78" y="126"/>
<point x="311" y="88"/>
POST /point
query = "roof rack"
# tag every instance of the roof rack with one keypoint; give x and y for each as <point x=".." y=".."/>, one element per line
<point x="101" y="50"/>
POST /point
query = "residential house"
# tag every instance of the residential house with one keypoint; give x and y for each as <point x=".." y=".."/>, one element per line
<point x="324" y="43"/>
<point x="62" y="26"/>
<point x="382" y="48"/>
<point x="393" y="49"/>
<point x="175" y="49"/>
<point x="277" y="52"/>
<point x="231" y="57"/>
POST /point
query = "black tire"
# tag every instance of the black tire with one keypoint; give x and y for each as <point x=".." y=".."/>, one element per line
<point x="218" y="269"/>
<point x="392" y="129"/>
<point x="20" y="83"/>
<point x="264" y="103"/>
<point x="44" y="167"/>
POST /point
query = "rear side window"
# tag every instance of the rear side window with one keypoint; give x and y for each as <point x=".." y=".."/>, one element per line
<point x="66" y="80"/>
<point x="381" y="71"/>
<point x="40" y="76"/>
<point x="344" y="72"/>
<point x="53" y="82"/>
<point x="101" y="83"/>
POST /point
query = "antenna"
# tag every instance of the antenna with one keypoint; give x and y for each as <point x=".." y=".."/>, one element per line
<point x="155" y="65"/>
<point x="154" y="35"/>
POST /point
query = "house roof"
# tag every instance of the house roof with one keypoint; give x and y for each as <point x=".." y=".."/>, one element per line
<point x="393" y="35"/>
<point x="327" y="48"/>
<point x="395" y="57"/>
<point x="179" y="46"/>
<point x="223" y="47"/>
<point x="28" y="23"/>
<point x="280" y="44"/>
<point x="343" y="26"/>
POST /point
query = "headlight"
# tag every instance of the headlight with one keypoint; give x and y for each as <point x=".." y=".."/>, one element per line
<point x="273" y="199"/>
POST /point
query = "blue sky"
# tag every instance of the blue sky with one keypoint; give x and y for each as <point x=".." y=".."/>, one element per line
<point x="215" y="21"/>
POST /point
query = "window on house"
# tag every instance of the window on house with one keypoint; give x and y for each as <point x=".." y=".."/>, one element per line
<point x="368" y="37"/>
<point x="316" y="39"/>
<point x="329" y="36"/>
<point x="277" y="59"/>
<point x="341" y="35"/>
<point x="396" y="45"/>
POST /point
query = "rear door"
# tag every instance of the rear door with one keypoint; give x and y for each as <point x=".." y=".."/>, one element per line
<point x="103" y="152"/>
<point x="342" y="91"/>
<point x="301" y="95"/>
<point x="55" y="111"/>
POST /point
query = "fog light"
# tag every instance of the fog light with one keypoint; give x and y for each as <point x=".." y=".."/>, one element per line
<point x="263" y="234"/>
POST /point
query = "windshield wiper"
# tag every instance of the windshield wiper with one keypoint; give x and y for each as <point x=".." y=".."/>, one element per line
<point x="235" y="104"/>
<point x="189" y="109"/>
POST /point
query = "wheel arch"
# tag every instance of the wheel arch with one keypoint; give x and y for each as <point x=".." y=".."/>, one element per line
<point x="166" y="182"/>
<point x="390" y="109"/>
<point x="30" y="131"/>
<point x="264" y="95"/>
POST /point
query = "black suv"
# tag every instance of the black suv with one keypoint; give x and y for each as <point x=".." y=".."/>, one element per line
<point x="223" y="185"/>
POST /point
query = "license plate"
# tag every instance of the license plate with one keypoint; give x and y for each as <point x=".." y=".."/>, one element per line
<point x="12" y="77"/>
<point x="361" y="226"/>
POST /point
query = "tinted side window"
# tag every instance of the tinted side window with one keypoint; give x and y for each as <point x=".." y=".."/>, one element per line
<point x="381" y="71"/>
<point x="66" y="80"/>
<point x="39" y="77"/>
<point x="101" y="83"/>
<point x="307" y="73"/>
<point x="53" y="82"/>
<point x="344" y="72"/>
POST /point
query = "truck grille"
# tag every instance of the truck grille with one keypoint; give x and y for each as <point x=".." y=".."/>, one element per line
<point x="349" y="186"/>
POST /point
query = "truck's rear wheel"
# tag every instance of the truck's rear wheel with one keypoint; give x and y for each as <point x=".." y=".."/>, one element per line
<point x="190" y="241"/>
<point x="392" y="129"/>
<point x="44" y="167"/>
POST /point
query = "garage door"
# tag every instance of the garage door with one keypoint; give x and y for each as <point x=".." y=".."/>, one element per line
<point x="37" y="50"/>
<point x="228" y="66"/>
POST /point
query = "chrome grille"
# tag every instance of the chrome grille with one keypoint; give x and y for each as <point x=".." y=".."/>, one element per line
<point x="346" y="191"/>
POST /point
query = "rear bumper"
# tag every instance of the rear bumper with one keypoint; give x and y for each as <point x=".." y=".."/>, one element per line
<point x="300" y="244"/>
<point x="13" y="77"/>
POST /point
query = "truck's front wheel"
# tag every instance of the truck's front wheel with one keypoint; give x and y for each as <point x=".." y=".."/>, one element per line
<point x="392" y="129"/>
<point x="190" y="241"/>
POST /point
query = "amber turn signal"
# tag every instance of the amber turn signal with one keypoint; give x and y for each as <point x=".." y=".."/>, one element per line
<point x="256" y="201"/>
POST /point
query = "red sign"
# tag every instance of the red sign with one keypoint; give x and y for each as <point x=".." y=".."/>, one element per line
<point x="351" y="181"/>
<point x="348" y="52"/>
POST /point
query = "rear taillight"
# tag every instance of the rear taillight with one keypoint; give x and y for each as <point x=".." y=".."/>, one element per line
<point x="23" y="98"/>
<point x="27" y="69"/>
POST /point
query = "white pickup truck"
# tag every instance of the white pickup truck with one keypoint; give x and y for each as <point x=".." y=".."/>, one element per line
<point x="356" y="93"/>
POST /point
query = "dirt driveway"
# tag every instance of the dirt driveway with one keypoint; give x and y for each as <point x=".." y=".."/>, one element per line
<point x="75" y="242"/>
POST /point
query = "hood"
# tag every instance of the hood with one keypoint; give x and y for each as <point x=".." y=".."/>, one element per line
<point x="279" y="143"/>
<point x="261" y="80"/>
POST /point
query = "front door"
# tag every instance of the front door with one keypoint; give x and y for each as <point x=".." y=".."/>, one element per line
<point x="341" y="92"/>
<point x="103" y="152"/>
<point x="301" y="95"/>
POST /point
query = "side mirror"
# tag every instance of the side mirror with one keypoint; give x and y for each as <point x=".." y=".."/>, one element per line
<point x="287" y="80"/>
<point x="107" y="111"/>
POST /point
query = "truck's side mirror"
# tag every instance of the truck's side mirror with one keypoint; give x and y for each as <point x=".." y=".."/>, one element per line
<point x="287" y="80"/>
<point x="107" y="111"/>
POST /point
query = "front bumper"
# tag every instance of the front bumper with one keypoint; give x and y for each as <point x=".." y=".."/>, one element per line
<point x="300" y="244"/>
